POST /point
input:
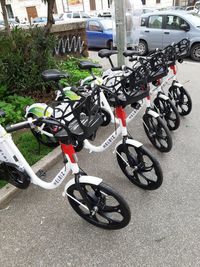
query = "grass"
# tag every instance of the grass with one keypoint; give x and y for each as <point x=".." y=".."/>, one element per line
<point x="28" y="146"/>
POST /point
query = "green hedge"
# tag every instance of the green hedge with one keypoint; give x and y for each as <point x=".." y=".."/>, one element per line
<point x="23" y="57"/>
<point x="70" y="66"/>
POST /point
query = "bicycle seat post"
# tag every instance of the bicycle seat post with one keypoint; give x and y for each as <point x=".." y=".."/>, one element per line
<point x="110" y="60"/>
<point x="60" y="87"/>
<point x="92" y="74"/>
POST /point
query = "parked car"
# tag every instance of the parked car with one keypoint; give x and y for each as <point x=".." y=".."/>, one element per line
<point x="74" y="15"/>
<point x="163" y="28"/>
<point x="11" y="22"/>
<point x="172" y="8"/>
<point x="105" y="14"/>
<point x="148" y="10"/>
<point x="39" y="20"/>
<point x="195" y="8"/>
<point x="99" y="32"/>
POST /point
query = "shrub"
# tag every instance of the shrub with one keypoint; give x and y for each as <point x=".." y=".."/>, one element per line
<point x="23" y="57"/>
<point x="14" y="107"/>
<point x="70" y="66"/>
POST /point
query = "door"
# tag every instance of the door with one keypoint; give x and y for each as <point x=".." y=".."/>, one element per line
<point x="95" y="34"/>
<point x="92" y="5"/>
<point x="152" y="33"/>
<point x="31" y="12"/>
<point x="172" y="32"/>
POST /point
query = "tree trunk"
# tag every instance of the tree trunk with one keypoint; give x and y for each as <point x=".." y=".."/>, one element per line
<point x="50" y="19"/>
<point x="5" y="16"/>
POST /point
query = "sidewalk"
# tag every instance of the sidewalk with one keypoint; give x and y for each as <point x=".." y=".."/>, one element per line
<point x="39" y="228"/>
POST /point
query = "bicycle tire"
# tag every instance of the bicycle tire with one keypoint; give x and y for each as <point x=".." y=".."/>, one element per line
<point x="168" y="111"/>
<point x="44" y="139"/>
<point x="181" y="99"/>
<point x="106" y="216"/>
<point x="106" y="117"/>
<point x="157" y="132"/>
<point x="138" y="158"/>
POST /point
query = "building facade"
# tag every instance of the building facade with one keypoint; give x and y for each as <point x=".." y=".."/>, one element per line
<point x="27" y="9"/>
<point x="164" y="3"/>
<point x="36" y="8"/>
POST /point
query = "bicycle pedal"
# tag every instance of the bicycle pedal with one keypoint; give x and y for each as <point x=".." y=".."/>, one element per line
<point x="41" y="173"/>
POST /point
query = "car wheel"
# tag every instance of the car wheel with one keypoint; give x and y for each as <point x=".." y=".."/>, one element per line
<point x="195" y="52"/>
<point x="110" y="45"/>
<point x="142" y="48"/>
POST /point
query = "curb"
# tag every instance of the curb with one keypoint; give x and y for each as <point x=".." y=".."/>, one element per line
<point x="8" y="192"/>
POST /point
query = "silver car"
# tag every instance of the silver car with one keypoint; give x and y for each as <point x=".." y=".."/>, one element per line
<point x="160" y="29"/>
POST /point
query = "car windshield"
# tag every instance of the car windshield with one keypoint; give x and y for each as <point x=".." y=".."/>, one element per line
<point x="84" y="15"/>
<point x="194" y="19"/>
<point x="107" y="24"/>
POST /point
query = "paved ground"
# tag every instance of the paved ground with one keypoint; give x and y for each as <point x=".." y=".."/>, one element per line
<point x="40" y="229"/>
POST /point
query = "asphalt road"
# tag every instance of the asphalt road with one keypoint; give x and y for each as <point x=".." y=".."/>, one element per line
<point x="39" y="228"/>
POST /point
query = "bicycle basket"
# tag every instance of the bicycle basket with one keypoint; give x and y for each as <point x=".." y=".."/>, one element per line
<point x="82" y="118"/>
<point x="131" y="88"/>
<point x="182" y="49"/>
<point x="156" y="66"/>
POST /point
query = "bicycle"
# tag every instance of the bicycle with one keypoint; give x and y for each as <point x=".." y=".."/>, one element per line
<point x="176" y="92"/>
<point x="135" y="161"/>
<point x="162" y="104"/>
<point x="90" y="198"/>
<point x="140" y="151"/>
<point x="155" y="128"/>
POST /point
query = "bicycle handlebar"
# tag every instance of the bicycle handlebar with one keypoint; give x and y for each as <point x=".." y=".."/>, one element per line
<point x="19" y="126"/>
<point x="30" y="121"/>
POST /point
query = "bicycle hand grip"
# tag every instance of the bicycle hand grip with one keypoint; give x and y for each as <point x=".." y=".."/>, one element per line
<point x="116" y="68"/>
<point x="17" y="126"/>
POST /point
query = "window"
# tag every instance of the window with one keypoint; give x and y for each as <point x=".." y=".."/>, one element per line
<point x="155" y="22"/>
<point x="9" y="11"/>
<point x="84" y="15"/>
<point x="174" y="22"/>
<point x="94" y="26"/>
<point x="76" y="15"/>
<point x="157" y="1"/>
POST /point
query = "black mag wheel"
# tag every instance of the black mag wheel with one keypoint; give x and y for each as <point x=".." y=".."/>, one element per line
<point x="140" y="167"/>
<point x="168" y="111"/>
<point x="110" y="210"/>
<point x="105" y="116"/>
<point x="181" y="98"/>
<point x="157" y="132"/>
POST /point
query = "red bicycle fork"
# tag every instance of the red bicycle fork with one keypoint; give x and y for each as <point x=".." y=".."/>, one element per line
<point x="70" y="153"/>
<point x="121" y="115"/>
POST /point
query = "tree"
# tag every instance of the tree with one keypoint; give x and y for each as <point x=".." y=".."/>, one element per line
<point x="5" y="16"/>
<point x="50" y="19"/>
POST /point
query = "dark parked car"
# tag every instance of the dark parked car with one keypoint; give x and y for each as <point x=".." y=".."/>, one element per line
<point x="160" y="29"/>
<point x="99" y="32"/>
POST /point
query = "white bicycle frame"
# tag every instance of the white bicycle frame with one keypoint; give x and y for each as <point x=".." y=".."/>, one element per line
<point x="109" y="141"/>
<point x="164" y="82"/>
<point x="10" y="153"/>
